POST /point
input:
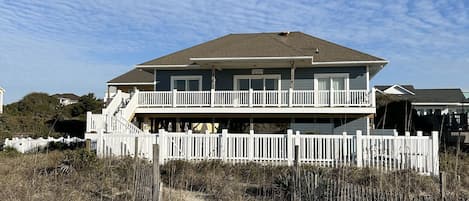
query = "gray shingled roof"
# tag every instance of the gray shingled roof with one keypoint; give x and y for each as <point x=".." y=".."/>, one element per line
<point x="265" y="45"/>
<point x="438" y="96"/>
<point x="429" y="95"/>
<point x="133" y="76"/>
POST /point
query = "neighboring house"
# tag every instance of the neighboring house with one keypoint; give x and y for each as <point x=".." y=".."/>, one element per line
<point x="428" y="101"/>
<point x="2" y="91"/>
<point x="466" y="94"/>
<point x="266" y="82"/>
<point x="67" y="98"/>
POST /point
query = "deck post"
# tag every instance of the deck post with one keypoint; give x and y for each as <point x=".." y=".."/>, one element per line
<point x="359" y="148"/>
<point x="174" y="97"/>
<point x="435" y="159"/>
<point x="223" y="146"/>
<point x="395" y="150"/>
<point x="88" y="121"/>
<point x="279" y="96"/>
<point x="373" y="97"/>
<point x="289" y="147"/>
<point x="251" y="146"/>
<point x="212" y="97"/>
<point x="290" y="97"/>
<point x="250" y="97"/>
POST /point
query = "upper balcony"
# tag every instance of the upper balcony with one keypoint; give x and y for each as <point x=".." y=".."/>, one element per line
<point x="256" y="101"/>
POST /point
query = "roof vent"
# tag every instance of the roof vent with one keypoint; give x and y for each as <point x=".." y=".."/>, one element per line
<point x="317" y="51"/>
<point x="284" y="33"/>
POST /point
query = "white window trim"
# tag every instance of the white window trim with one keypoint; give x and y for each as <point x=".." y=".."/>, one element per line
<point x="331" y="75"/>
<point x="186" y="78"/>
<point x="265" y="76"/>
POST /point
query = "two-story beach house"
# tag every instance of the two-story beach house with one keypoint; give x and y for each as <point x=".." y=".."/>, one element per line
<point x="266" y="82"/>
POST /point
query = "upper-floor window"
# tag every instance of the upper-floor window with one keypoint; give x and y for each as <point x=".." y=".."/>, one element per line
<point x="256" y="82"/>
<point x="332" y="81"/>
<point x="186" y="83"/>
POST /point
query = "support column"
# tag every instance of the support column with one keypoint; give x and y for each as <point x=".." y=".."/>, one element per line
<point x="251" y="123"/>
<point x="292" y="75"/>
<point x="214" y="80"/>
<point x="154" y="80"/>
<point x="178" y="124"/>
<point x="213" y="125"/>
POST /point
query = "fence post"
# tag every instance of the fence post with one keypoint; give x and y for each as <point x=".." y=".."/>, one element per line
<point x="296" y="173"/>
<point x="251" y="145"/>
<point x="156" y="173"/>
<point x="162" y="145"/>
<point x="395" y="150"/>
<point x="419" y="133"/>
<point x="290" y="97"/>
<point x="206" y="144"/>
<point x="100" y="144"/>
<point x="174" y="97"/>
<point x="88" y="145"/>
<point x="442" y="185"/>
<point x="344" y="148"/>
<point x="359" y="148"/>
<point x="188" y="144"/>
<point x="290" y="146"/>
<point x="136" y="148"/>
<point x="250" y="96"/>
<point x="435" y="157"/>
<point x="223" y="145"/>
<point x="212" y="97"/>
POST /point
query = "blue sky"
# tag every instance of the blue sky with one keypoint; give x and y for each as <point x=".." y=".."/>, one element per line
<point x="57" y="47"/>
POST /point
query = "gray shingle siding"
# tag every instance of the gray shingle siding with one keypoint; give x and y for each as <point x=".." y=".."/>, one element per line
<point x="304" y="77"/>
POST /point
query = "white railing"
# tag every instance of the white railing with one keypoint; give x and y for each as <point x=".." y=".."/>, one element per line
<point x="129" y="109"/>
<point x="386" y="153"/>
<point x="116" y="103"/>
<point x="117" y="124"/>
<point x="94" y="122"/>
<point x="257" y="98"/>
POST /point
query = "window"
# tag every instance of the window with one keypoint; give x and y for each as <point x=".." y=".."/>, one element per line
<point x="256" y="82"/>
<point x="333" y="81"/>
<point x="186" y="83"/>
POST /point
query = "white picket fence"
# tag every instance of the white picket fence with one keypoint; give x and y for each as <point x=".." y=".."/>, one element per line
<point x="387" y="153"/>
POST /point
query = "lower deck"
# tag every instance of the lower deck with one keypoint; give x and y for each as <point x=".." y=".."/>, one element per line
<point x="259" y="123"/>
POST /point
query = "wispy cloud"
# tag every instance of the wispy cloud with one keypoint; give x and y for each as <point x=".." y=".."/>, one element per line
<point x="58" y="46"/>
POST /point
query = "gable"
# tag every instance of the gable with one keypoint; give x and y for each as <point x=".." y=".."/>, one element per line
<point x="397" y="90"/>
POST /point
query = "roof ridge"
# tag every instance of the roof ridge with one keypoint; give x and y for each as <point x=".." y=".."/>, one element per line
<point x="286" y="45"/>
<point x="332" y="43"/>
<point x="203" y="43"/>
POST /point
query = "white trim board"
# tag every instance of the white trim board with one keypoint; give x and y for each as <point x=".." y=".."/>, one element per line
<point x="131" y="83"/>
